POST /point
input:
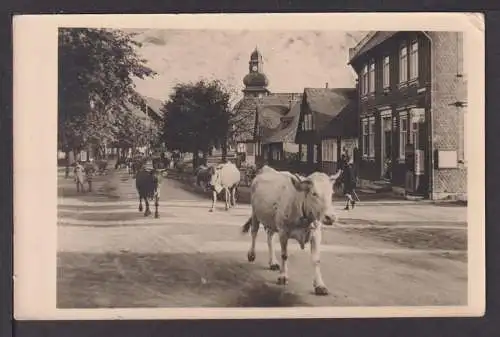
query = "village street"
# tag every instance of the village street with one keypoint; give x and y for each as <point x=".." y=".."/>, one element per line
<point x="382" y="253"/>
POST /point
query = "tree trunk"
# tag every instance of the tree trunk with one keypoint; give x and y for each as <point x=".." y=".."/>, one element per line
<point x="224" y="151"/>
<point x="195" y="159"/>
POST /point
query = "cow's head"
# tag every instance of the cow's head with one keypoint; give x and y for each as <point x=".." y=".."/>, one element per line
<point x="159" y="172"/>
<point x="215" y="177"/>
<point x="317" y="191"/>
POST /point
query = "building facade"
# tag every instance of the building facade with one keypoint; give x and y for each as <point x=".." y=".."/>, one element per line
<point x="412" y="111"/>
<point x="327" y="125"/>
<point x="265" y="119"/>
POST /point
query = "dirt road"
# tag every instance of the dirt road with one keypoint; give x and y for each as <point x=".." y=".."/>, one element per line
<point x="109" y="255"/>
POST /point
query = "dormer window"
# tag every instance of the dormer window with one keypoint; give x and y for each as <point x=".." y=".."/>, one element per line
<point x="307" y="122"/>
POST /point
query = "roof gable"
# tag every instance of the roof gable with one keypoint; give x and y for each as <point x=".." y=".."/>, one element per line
<point x="371" y="40"/>
<point x="326" y="103"/>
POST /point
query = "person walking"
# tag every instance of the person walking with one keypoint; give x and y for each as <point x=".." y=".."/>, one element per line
<point x="348" y="180"/>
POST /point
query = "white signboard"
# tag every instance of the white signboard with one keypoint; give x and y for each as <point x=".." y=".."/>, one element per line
<point x="417" y="115"/>
<point x="419" y="162"/>
<point x="447" y="159"/>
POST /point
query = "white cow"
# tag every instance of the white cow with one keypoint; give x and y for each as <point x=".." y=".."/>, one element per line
<point x="294" y="207"/>
<point x="224" y="177"/>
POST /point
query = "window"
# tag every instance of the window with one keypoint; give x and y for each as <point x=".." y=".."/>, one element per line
<point x="403" y="65"/>
<point x="365" y="138"/>
<point x="315" y="153"/>
<point x="371" y="141"/>
<point x="371" y="77"/>
<point x="403" y="134"/>
<point x="386" y="73"/>
<point x="303" y="151"/>
<point x="329" y="150"/>
<point x="364" y="81"/>
<point x="307" y="122"/>
<point x="414" y="60"/>
<point x="276" y="154"/>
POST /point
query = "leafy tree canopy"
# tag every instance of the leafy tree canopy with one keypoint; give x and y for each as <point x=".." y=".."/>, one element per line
<point x="196" y="116"/>
<point x="96" y="88"/>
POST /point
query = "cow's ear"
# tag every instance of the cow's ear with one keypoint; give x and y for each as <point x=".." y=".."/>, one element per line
<point x="303" y="185"/>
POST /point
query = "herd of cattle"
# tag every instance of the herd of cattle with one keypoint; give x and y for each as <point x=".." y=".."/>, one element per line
<point x="286" y="204"/>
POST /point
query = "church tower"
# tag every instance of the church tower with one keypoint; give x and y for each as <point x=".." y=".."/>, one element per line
<point x="255" y="81"/>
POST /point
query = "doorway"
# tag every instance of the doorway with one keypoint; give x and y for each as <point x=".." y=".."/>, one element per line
<point x="386" y="148"/>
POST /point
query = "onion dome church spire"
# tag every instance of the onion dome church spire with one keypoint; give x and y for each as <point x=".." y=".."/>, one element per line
<point x="255" y="81"/>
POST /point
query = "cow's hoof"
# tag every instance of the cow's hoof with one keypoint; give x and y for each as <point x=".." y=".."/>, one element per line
<point x="321" y="290"/>
<point x="140" y="208"/>
<point x="147" y="213"/>
<point x="251" y="257"/>
<point x="157" y="215"/>
<point x="211" y="210"/>
<point x="282" y="280"/>
<point x="274" y="267"/>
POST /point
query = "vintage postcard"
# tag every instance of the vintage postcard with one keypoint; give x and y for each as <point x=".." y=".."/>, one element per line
<point x="249" y="166"/>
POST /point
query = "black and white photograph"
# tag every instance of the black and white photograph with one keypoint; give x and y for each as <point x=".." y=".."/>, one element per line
<point x="239" y="167"/>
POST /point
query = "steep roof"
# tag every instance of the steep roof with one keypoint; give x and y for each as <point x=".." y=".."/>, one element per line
<point x="244" y="118"/>
<point x="288" y="127"/>
<point x="270" y="109"/>
<point x="326" y="103"/>
<point x="344" y="124"/>
<point x="274" y="113"/>
<point x="370" y="41"/>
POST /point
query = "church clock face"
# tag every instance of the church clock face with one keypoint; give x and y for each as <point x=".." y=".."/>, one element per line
<point x="254" y="68"/>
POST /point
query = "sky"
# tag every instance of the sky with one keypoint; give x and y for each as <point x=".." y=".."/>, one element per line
<point x="293" y="60"/>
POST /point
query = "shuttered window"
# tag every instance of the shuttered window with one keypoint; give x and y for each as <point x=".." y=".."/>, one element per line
<point x="403" y="64"/>
<point x="386" y="72"/>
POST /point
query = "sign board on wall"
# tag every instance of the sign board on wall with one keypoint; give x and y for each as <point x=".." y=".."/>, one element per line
<point x="419" y="162"/>
<point x="447" y="159"/>
<point x="417" y="115"/>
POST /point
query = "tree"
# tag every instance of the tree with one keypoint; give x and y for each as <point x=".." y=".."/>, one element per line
<point x="96" y="88"/>
<point x="196" y="117"/>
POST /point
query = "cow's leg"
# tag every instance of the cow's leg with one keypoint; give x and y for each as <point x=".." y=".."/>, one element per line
<point x="157" y="202"/>
<point x="227" y="193"/>
<point x="147" y="212"/>
<point x="254" y="229"/>
<point x="90" y="185"/>
<point x="273" y="263"/>
<point x="233" y="196"/>
<point x="319" y="285"/>
<point x="214" y="199"/>
<point x="283" y="278"/>
<point x="140" y="204"/>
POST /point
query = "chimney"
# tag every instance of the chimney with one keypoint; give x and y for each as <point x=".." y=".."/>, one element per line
<point x="326" y="85"/>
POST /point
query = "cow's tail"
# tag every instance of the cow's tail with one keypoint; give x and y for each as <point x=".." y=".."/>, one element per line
<point x="247" y="225"/>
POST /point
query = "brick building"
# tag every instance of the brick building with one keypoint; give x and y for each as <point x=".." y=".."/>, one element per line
<point x="412" y="111"/>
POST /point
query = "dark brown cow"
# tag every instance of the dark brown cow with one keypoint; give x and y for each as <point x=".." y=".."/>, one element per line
<point x="148" y="184"/>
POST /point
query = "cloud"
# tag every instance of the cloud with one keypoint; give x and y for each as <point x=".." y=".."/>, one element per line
<point x="292" y="59"/>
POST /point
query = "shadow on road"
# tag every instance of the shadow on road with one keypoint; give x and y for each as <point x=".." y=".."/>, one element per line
<point x="124" y="280"/>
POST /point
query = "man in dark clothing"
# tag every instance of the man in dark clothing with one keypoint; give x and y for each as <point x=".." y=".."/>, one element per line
<point x="348" y="179"/>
